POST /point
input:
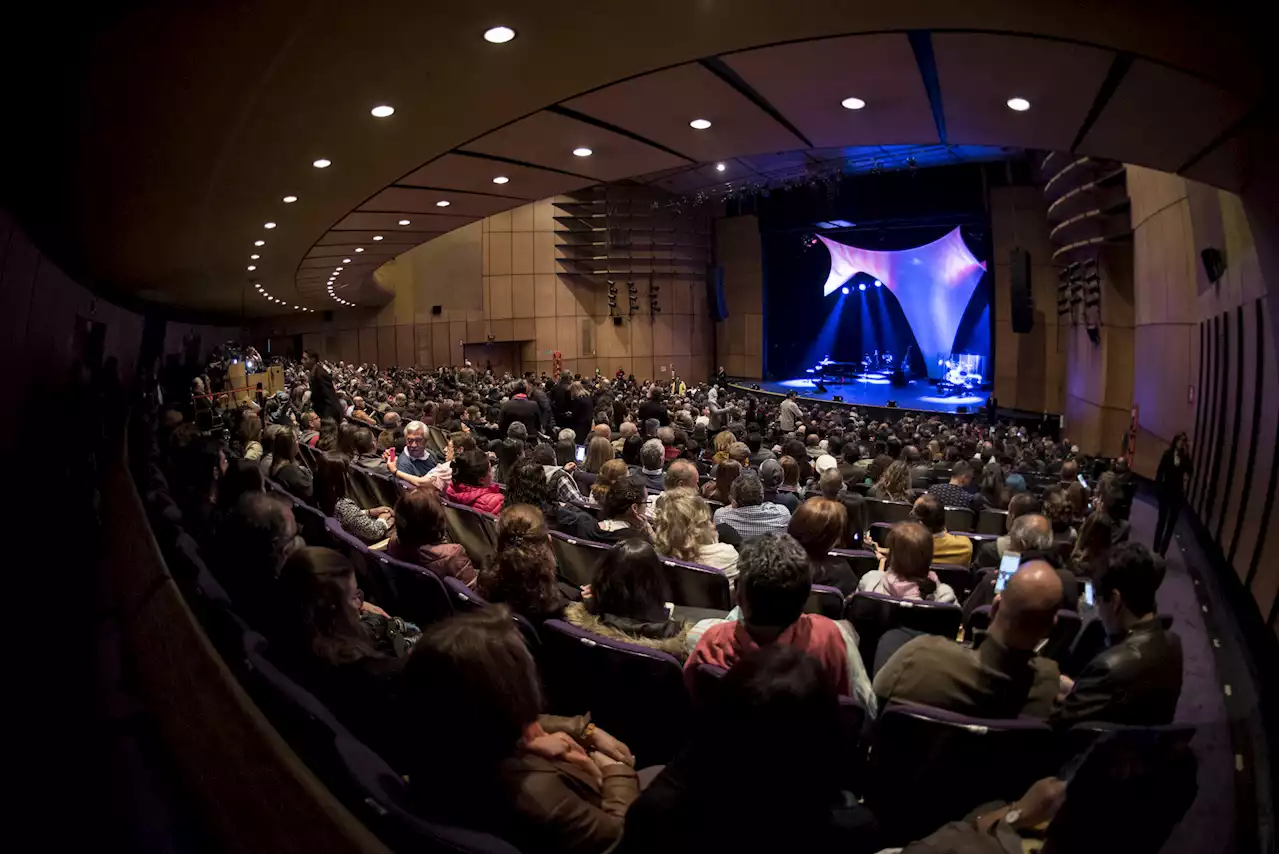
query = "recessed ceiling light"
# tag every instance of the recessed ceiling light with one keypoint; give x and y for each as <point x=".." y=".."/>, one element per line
<point x="346" y="260"/>
<point x="699" y="124"/>
<point x="404" y="222"/>
<point x="382" y="111"/>
<point x="582" y="152"/>
<point x="1021" y="105"/>
<point x="442" y="204"/>
<point x="252" y="267"/>
<point x="499" y="35"/>
<point x="288" y="200"/>
<point x="259" y="243"/>
<point x="254" y="257"/>
<point x="259" y="287"/>
<point x="268" y="225"/>
<point x="339" y="269"/>
<point x="359" y="248"/>
<point x="501" y="179"/>
<point x="322" y="163"/>
<point x="377" y="237"/>
<point x="853" y="103"/>
<point x="720" y="167"/>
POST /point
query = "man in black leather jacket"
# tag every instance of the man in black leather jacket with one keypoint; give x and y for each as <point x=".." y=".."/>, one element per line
<point x="1138" y="678"/>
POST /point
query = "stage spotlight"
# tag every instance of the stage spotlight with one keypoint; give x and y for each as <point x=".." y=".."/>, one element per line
<point x="844" y="291"/>
<point x="862" y="286"/>
<point x="879" y="283"/>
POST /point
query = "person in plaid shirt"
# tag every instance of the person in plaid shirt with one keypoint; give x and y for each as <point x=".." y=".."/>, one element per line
<point x="748" y="514"/>
<point x="560" y="479"/>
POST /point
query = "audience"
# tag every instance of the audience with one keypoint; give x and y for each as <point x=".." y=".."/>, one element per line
<point x="472" y="484"/>
<point x="991" y="552"/>
<point x="621" y="515"/>
<point x="1137" y="680"/>
<point x="1002" y="678"/>
<point x="626" y="601"/>
<point x="819" y="526"/>
<point x="330" y="488"/>
<point x="955" y="492"/>
<point x="651" y="460"/>
<point x="720" y="488"/>
<point x="947" y="547"/>
<point x="894" y="484"/>
<point x="610" y="473"/>
<point x="1031" y="537"/>
<point x="543" y="783"/>
<point x="522" y="574"/>
<point x="421" y="537"/>
<point x="771" y="477"/>
<point x="683" y="529"/>
<point x="907" y="574"/>
<point x="285" y="470"/>
<point x="747" y="513"/>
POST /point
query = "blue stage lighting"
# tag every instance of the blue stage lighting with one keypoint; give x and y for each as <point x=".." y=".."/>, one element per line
<point x="844" y="291"/>
<point x="862" y="286"/>
<point x="879" y="283"/>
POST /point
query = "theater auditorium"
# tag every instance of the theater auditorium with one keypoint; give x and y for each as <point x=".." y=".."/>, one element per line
<point x="664" y="427"/>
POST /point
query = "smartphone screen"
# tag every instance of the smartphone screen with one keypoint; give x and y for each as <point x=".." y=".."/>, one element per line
<point x="580" y="453"/>
<point x="1088" y="593"/>
<point x="1008" y="566"/>
<point x="1083" y="482"/>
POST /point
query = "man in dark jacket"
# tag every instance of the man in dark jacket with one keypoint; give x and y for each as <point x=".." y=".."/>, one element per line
<point x="655" y="408"/>
<point x="561" y="401"/>
<point x="324" y="398"/>
<point x="521" y="408"/>
<point x="1138" y="679"/>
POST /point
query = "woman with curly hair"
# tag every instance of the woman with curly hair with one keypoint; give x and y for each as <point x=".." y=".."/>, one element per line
<point x="894" y="484"/>
<point x="523" y="572"/>
<point x="722" y="442"/>
<point x="683" y="529"/>
<point x="609" y="474"/>
<point x="877" y="468"/>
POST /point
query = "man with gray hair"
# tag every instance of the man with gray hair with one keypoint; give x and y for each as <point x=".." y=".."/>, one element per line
<point x="748" y="513"/>
<point x="651" y="455"/>
<point x="567" y="435"/>
<point x="1031" y="537"/>
<point x="416" y="462"/>
<point x="625" y="431"/>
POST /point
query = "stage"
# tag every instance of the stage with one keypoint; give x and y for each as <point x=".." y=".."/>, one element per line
<point x="918" y="394"/>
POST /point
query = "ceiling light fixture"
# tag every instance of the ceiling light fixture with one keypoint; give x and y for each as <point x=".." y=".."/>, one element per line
<point x="252" y="267"/>
<point x="699" y="124"/>
<point x="322" y="163"/>
<point x="359" y="248"/>
<point x="499" y="35"/>
<point x="268" y="225"/>
<point x="442" y="204"/>
<point x="382" y="111"/>
<point x="404" y="222"/>
<point x="720" y="167"/>
<point x="376" y="237"/>
<point x="254" y="257"/>
<point x="582" y="152"/>
<point x="346" y="260"/>
<point x="501" y="179"/>
<point x="853" y="103"/>
<point x="1020" y="105"/>
<point x="259" y="243"/>
<point x="288" y="200"/>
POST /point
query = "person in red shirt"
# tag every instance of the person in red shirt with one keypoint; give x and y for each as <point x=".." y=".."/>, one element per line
<point x="773" y="585"/>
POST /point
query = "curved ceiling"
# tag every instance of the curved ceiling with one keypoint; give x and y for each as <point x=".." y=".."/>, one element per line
<point x="189" y="126"/>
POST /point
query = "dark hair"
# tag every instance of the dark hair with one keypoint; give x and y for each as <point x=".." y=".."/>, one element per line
<point x="747" y="490"/>
<point x="1022" y="504"/>
<point x="420" y="519"/>
<point x="283" y="449"/>
<point x="527" y="484"/>
<point x="509" y="453"/>
<point x="317" y="610"/>
<point x="631" y="449"/>
<point x="330" y="483"/>
<point x="1057" y="509"/>
<point x="471" y="467"/>
<point x="543" y="455"/>
<point x="859" y="518"/>
<point x="878" y="466"/>
<point x="629" y="583"/>
<point x="565" y="453"/>
<point x="364" y="440"/>
<point x="472" y="667"/>
<point x="961" y="469"/>
<point x="726" y="473"/>
<point x="992" y="487"/>
<point x="622" y="496"/>
<point x="241" y="477"/>
<point x="790" y="470"/>
<point x="818" y="525"/>
<point x="911" y="549"/>
<point x="773" y="581"/>
<point x="523" y="572"/>
<point x="347" y="440"/>
<point x="928" y="511"/>
<point x="1131" y="570"/>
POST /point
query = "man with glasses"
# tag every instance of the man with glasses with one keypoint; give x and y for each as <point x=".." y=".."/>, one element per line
<point x="416" y="463"/>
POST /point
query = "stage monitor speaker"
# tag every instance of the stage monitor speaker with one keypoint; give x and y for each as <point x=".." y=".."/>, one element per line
<point x="839" y="398"/>
<point x="1021" y="304"/>
<point x="715" y="293"/>
<point x="437" y="309"/>
<point x="1214" y="264"/>
<point x="891" y="404"/>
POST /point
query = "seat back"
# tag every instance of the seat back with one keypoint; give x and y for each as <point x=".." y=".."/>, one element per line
<point x="312" y="524"/>
<point x="476" y="532"/>
<point x="873" y="614"/>
<point x="861" y="562"/>
<point x="827" y="601"/>
<point x="635" y="693"/>
<point x="880" y="533"/>
<point x="436" y="441"/>
<point x="362" y="489"/>
<point x="958" y="518"/>
<point x="928" y="767"/>
<point x="577" y="560"/>
<point x="418" y="594"/>
<point x="992" y="521"/>
<point x="1057" y="645"/>
<point x="958" y="578"/>
<point x="696" y="586"/>
<point x="888" y="511"/>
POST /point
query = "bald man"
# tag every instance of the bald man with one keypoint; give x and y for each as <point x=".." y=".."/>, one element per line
<point x="1003" y="678"/>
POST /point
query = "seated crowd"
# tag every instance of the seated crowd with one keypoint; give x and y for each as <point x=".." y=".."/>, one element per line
<point x="777" y="498"/>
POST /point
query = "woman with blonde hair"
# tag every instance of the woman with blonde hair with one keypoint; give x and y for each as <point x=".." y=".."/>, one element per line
<point x="610" y="473"/>
<point x="722" y="442"/>
<point x="894" y="484"/>
<point x="683" y="529"/>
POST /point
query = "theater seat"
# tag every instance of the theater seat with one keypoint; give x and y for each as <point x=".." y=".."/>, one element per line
<point x="992" y="521"/>
<point x="888" y="511"/>
<point x="873" y="614"/>
<point x="418" y="595"/>
<point x="465" y="599"/>
<point x="476" y="532"/>
<point x="959" y="518"/>
<point x="696" y="586"/>
<point x="861" y="562"/>
<point x="636" y="693"/>
<point x="577" y="560"/>
<point x="1057" y="646"/>
<point x="827" y="601"/>
<point x="958" y="578"/>
<point x="928" y="767"/>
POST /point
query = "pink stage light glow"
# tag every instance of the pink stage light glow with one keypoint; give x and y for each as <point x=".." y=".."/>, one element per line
<point x="933" y="283"/>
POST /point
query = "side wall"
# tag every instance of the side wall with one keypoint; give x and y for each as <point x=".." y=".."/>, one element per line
<point x="740" y="337"/>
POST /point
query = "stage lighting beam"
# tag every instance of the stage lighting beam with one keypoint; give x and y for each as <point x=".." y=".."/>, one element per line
<point x="862" y="286"/>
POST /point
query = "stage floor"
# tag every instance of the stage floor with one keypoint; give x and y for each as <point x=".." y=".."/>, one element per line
<point x="918" y="394"/>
